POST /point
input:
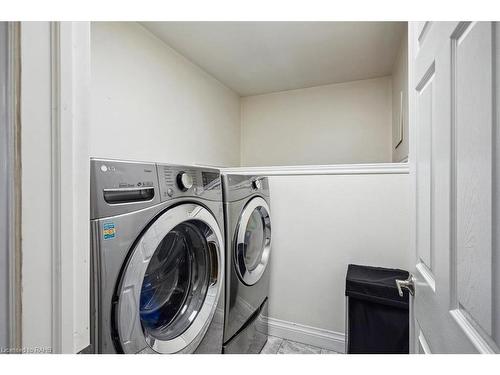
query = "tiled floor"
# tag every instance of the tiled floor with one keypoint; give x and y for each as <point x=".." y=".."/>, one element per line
<point x="275" y="345"/>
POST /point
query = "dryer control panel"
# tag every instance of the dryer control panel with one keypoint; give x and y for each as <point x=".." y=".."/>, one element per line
<point x="239" y="187"/>
<point x="180" y="181"/>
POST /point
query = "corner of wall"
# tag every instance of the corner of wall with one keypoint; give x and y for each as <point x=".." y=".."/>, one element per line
<point x="400" y="84"/>
<point x="207" y="113"/>
<point x="391" y="114"/>
<point x="241" y="163"/>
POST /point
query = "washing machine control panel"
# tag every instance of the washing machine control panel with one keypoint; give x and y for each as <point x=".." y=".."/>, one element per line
<point x="184" y="181"/>
<point x="178" y="181"/>
<point x="119" y="187"/>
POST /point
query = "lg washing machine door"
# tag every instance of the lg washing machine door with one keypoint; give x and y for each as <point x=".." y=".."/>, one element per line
<point x="171" y="284"/>
<point x="253" y="241"/>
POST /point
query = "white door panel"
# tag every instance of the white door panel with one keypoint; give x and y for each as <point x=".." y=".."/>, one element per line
<point x="455" y="137"/>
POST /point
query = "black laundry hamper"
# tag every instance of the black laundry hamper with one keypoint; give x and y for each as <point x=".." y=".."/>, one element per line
<point x="376" y="317"/>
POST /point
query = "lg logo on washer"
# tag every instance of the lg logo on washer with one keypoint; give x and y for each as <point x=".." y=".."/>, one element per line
<point x="105" y="168"/>
<point x="142" y="183"/>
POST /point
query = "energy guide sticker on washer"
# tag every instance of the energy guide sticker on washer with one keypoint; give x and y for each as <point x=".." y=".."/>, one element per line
<point x="109" y="231"/>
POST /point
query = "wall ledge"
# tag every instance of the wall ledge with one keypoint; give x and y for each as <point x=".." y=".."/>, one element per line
<point x="332" y="169"/>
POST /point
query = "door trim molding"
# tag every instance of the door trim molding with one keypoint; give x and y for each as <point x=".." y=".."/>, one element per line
<point x="70" y="93"/>
<point x="305" y="334"/>
<point x="413" y="43"/>
<point x="55" y="112"/>
<point x="55" y="172"/>
<point x="12" y="144"/>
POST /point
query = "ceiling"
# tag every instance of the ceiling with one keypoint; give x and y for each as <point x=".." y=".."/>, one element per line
<point x="260" y="57"/>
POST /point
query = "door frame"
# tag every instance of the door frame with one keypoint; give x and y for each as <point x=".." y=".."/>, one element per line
<point x="412" y="157"/>
<point x="55" y="93"/>
<point x="11" y="191"/>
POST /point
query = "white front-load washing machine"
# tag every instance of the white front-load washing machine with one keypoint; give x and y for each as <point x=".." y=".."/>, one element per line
<point x="248" y="250"/>
<point x="157" y="258"/>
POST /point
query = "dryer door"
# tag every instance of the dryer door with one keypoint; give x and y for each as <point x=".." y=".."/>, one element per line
<point x="253" y="241"/>
<point x="171" y="284"/>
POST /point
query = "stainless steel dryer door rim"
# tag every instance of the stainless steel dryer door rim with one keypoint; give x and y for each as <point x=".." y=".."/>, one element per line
<point x="133" y="338"/>
<point x="250" y="276"/>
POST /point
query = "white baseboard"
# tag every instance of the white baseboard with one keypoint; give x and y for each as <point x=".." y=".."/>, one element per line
<point x="319" y="337"/>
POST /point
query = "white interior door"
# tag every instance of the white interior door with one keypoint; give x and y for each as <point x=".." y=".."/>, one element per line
<point x="454" y="159"/>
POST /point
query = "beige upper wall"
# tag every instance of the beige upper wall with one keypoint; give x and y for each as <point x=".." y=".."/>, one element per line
<point x="400" y="87"/>
<point x="146" y="96"/>
<point x="150" y="103"/>
<point x="339" y="123"/>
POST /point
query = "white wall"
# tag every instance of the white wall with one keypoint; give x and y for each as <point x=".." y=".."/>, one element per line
<point x="320" y="225"/>
<point x="333" y="124"/>
<point x="400" y="85"/>
<point x="150" y="103"/>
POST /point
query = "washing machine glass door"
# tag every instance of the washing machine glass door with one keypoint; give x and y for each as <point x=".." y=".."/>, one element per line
<point x="253" y="241"/>
<point x="171" y="284"/>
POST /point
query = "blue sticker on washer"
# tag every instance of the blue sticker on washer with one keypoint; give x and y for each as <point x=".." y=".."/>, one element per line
<point x="109" y="231"/>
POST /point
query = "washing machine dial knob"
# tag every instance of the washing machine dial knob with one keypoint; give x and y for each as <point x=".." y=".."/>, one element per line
<point x="184" y="181"/>
<point x="257" y="184"/>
